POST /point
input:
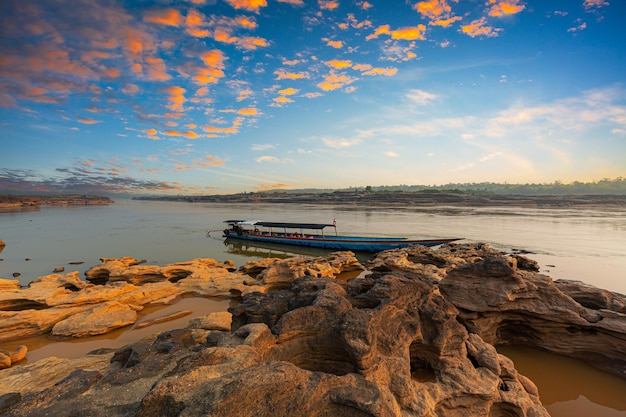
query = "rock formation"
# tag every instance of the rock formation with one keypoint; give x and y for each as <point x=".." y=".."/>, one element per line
<point x="414" y="335"/>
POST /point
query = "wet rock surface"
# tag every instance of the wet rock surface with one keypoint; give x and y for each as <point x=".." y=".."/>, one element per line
<point x="413" y="336"/>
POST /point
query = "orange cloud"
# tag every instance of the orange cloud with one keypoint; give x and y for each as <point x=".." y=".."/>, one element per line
<point x="243" y="94"/>
<point x="150" y="132"/>
<point x="249" y="5"/>
<point x="339" y="64"/>
<point x="445" y="22"/>
<point x="382" y="71"/>
<point x="589" y="4"/>
<point x="188" y="134"/>
<point x="409" y="33"/>
<point x="505" y="7"/>
<point x="334" y="44"/>
<point x="433" y="9"/>
<point x="176" y="98"/>
<point x="284" y="75"/>
<point x="88" y="121"/>
<point x="283" y="100"/>
<point x="227" y="130"/>
<point x="214" y="70"/>
<point x="194" y="18"/>
<point x="156" y="69"/>
<point x="248" y="111"/>
<point x="362" y="67"/>
<point x="296" y="2"/>
<point x="288" y="91"/>
<point x="169" y="17"/>
<point x="381" y="30"/>
<point x="328" y="4"/>
<point x="208" y="161"/>
<point x="480" y="28"/>
<point x="334" y="81"/>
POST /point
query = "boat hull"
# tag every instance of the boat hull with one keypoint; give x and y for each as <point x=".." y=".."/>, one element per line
<point x="362" y="244"/>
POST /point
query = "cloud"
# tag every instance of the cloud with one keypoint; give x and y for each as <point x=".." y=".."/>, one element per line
<point x="392" y="154"/>
<point x="79" y="181"/>
<point x="340" y="143"/>
<point x="328" y="4"/>
<point x="334" y="81"/>
<point x="381" y="71"/>
<point x="249" y="5"/>
<point x="421" y="97"/>
<point x="88" y="121"/>
<point x="169" y="17"/>
<point x="339" y="64"/>
<point x="480" y="27"/>
<point x="248" y="111"/>
<point x="409" y="33"/>
<point x="505" y="7"/>
<point x="334" y="44"/>
<point x="285" y="75"/>
<point x="591" y="4"/>
<point x="262" y="147"/>
<point x="266" y="158"/>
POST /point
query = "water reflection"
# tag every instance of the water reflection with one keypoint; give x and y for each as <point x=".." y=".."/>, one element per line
<point x="565" y="382"/>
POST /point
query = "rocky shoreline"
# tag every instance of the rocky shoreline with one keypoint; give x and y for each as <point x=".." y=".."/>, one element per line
<point x="411" y="332"/>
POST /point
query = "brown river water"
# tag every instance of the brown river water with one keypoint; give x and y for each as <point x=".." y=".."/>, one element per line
<point x="582" y="244"/>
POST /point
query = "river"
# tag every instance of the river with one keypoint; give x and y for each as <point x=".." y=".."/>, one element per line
<point x="582" y="244"/>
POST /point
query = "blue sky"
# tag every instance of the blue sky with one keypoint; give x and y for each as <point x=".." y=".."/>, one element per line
<point x="223" y="96"/>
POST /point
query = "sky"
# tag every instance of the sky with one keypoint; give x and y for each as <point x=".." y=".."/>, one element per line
<point x="227" y="96"/>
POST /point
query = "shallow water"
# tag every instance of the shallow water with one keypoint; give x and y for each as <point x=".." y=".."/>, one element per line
<point x="587" y="245"/>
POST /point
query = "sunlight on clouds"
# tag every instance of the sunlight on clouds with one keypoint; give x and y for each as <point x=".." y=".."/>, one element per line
<point x="284" y="75"/>
<point x="504" y="7"/>
<point x="169" y="17"/>
<point x="249" y="5"/>
<point x="389" y="72"/>
<point x="480" y="27"/>
<point x="409" y="33"/>
<point x="340" y="143"/>
<point x="266" y="158"/>
<point x="88" y="121"/>
<point x="590" y="4"/>
<point x="328" y="4"/>
<point x="392" y="154"/>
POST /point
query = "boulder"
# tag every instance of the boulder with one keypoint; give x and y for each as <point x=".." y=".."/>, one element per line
<point x="9" y="358"/>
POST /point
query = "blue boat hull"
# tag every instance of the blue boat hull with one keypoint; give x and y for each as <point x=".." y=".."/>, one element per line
<point x="363" y="244"/>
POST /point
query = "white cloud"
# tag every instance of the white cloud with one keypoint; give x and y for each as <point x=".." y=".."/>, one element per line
<point x="392" y="154"/>
<point x="267" y="158"/>
<point x="340" y="143"/>
<point x="421" y="97"/>
<point x="261" y="146"/>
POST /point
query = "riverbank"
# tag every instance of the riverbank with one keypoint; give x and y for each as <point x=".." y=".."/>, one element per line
<point x="9" y="201"/>
<point x="407" y="199"/>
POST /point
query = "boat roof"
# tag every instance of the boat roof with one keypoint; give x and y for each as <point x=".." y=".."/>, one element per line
<point x="318" y="226"/>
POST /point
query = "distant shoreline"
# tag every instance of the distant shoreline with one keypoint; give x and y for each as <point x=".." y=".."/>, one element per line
<point x="408" y="199"/>
<point x="9" y="201"/>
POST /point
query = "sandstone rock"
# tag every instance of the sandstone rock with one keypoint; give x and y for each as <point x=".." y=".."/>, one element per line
<point x="220" y="320"/>
<point x="508" y="306"/>
<point x="9" y="285"/>
<point x="128" y="286"/>
<point x="279" y="273"/>
<point x="9" y="358"/>
<point x="58" y="269"/>
<point x="413" y="337"/>
<point x="97" y="320"/>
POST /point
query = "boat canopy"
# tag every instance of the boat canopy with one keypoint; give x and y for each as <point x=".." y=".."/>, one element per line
<point x="317" y="226"/>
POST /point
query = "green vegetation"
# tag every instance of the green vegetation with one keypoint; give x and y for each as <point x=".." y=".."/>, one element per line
<point x="606" y="186"/>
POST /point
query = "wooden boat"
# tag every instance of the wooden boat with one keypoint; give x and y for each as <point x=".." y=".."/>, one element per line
<point x="312" y="235"/>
